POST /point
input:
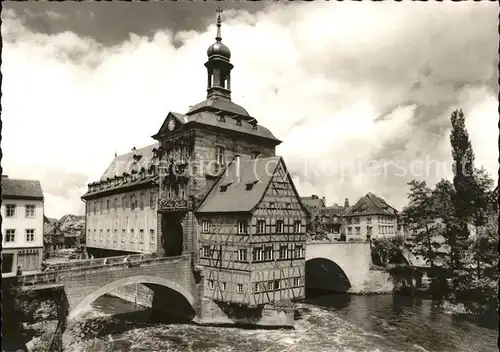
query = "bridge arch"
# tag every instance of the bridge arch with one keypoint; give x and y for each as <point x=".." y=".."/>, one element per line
<point x="324" y="274"/>
<point x="138" y="279"/>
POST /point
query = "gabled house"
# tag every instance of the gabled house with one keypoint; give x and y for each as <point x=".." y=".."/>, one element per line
<point x="370" y="217"/>
<point x="323" y="222"/>
<point x="22" y="224"/>
<point x="53" y="237"/>
<point x="331" y="219"/>
<point x="252" y="234"/>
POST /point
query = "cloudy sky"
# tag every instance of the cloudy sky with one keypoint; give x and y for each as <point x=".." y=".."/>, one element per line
<point x="360" y="93"/>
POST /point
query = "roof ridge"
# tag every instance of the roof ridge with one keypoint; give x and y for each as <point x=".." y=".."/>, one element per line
<point x="20" y="179"/>
<point x="260" y="159"/>
<point x="137" y="149"/>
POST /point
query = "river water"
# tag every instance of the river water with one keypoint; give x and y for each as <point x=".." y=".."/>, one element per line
<point x="327" y="323"/>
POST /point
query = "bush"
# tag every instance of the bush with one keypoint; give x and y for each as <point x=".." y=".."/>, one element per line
<point x="387" y="250"/>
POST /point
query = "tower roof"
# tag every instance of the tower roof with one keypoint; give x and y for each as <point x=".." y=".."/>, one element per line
<point x="218" y="103"/>
<point x="218" y="49"/>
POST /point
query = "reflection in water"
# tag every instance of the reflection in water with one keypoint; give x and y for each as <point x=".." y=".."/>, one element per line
<point x="325" y="323"/>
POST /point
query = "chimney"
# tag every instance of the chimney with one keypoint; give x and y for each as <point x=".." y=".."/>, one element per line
<point x="324" y="201"/>
<point x="346" y="203"/>
<point x="313" y="196"/>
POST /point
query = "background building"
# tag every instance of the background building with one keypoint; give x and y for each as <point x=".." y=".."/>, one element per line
<point x="370" y="217"/>
<point x="73" y="227"/>
<point x="53" y="237"/>
<point x="22" y="226"/>
<point x="323" y="222"/>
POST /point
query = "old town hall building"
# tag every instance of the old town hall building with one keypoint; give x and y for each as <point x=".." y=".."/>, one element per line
<point x="212" y="186"/>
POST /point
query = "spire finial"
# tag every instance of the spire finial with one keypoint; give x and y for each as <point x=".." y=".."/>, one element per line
<point x="219" y="11"/>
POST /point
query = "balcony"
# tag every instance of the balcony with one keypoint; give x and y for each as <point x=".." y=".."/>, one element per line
<point x="173" y="204"/>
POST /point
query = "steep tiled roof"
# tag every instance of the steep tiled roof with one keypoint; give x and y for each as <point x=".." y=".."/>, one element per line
<point x="236" y="198"/>
<point x="48" y="228"/>
<point x="313" y="201"/>
<point x="20" y="189"/>
<point x="370" y="205"/>
<point x="141" y="182"/>
<point x="126" y="162"/>
<point x="330" y="213"/>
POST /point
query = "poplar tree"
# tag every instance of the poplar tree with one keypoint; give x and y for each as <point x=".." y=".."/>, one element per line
<point x="464" y="172"/>
<point x="464" y="198"/>
<point x="471" y="204"/>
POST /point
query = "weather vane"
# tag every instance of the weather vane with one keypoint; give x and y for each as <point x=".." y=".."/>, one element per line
<point x="219" y="11"/>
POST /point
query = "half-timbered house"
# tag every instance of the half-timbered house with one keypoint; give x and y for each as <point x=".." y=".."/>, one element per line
<point x="252" y="234"/>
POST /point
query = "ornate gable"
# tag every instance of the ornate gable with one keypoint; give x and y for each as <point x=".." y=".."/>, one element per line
<point x="173" y="122"/>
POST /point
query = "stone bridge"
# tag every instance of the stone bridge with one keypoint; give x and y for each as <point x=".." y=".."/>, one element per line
<point x="331" y="266"/>
<point x="344" y="267"/>
<point x="85" y="281"/>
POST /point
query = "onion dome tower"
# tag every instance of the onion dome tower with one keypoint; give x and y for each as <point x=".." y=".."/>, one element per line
<point x="218" y="66"/>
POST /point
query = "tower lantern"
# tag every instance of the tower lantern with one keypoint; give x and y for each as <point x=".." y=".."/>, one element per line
<point x="218" y="66"/>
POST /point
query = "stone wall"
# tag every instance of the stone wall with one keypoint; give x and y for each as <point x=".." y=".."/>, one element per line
<point x="219" y="313"/>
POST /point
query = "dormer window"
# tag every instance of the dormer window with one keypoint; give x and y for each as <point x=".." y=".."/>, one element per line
<point x="253" y="123"/>
<point x="223" y="188"/>
<point x="152" y="169"/>
<point x="249" y="186"/>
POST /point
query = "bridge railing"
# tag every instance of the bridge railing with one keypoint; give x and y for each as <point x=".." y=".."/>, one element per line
<point x="55" y="277"/>
<point x="39" y="279"/>
<point x="99" y="261"/>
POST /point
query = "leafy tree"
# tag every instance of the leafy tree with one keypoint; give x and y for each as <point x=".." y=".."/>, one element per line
<point x="483" y="184"/>
<point x="387" y="250"/>
<point x="483" y="289"/>
<point x="419" y="218"/>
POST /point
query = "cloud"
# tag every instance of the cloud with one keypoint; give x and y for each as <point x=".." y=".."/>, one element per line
<point x="351" y="88"/>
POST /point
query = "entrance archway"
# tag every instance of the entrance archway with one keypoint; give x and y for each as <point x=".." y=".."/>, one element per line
<point x="172" y="235"/>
